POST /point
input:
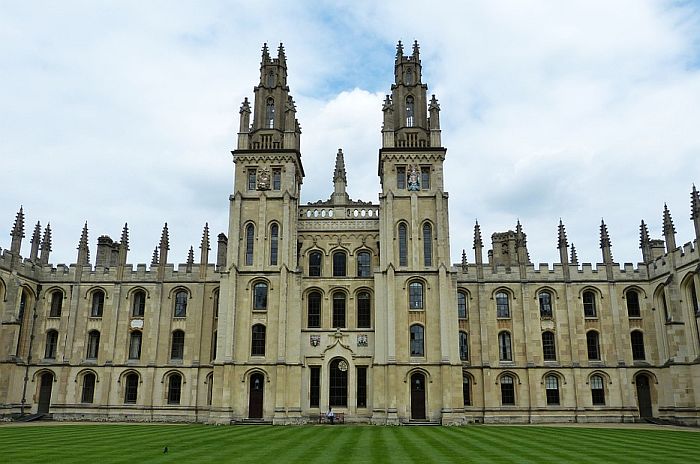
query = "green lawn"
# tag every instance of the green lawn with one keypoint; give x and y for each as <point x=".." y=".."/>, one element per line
<point x="263" y="444"/>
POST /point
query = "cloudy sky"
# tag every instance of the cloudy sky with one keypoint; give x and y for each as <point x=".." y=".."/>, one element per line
<point x="115" y="112"/>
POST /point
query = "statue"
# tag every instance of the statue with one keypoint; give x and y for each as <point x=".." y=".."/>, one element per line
<point x="264" y="179"/>
<point x="413" y="182"/>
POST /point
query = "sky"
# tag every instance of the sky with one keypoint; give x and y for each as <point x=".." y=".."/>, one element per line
<point x="126" y="112"/>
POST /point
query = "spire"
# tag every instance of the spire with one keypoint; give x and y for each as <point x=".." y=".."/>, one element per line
<point x="645" y="242"/>
<point x="17" y="232"/>
<point x="574" y="256"/>
<point x="265" y="54"/>
<point x="204" y="246"/>
<point x="164" y="246"/>
<point x="281" y="55"/>
<point x="154" y="259"/>
<point x="190" y="259"/>
<point x="477" y="236"/>
<point x="36" y="240"/>
<point x="521" y="244"/>
<point x="605" y="243"/>
<point x="464" y="260"/>
<point x="46" y="245"/>
<point x="125" y="236"/>
<point x="669" y="231"/>
<point x="563" y="244"/>
<point x="399" y="51"/>
<point x="416" y="50"/>
<point x="339" y="173"/>
<point x="83" y="249"/>
<point x="695" y="212"/>
<point x="478" y="248"/>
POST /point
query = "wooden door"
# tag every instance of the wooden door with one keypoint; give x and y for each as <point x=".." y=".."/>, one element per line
<point x="45" y="393"/>
<point x="418" y="396"/>
<point x="255" y="401"/>
<point x="644" y="396"/>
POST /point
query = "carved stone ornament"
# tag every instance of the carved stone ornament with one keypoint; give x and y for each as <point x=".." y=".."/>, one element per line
<point x="413" y="180"/>
<point x="315" y="340"/>
<point x="264" y="179"/>
<point x="362" y="340"/>
<point x="343" y="366"/>
<point x="137" y="324"/>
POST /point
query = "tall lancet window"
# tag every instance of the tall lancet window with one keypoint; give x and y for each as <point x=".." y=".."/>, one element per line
<point x="274" y="243"/>
<point x="270" y="114"/>
<point x="409" y="111"/>
<point x="271" y="79"/>
<point x="249" y="244"/>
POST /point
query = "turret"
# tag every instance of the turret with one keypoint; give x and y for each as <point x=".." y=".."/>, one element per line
<point x="669" y="231"/>
<point x="340" y="181"/>
<point x="695" y="212"/>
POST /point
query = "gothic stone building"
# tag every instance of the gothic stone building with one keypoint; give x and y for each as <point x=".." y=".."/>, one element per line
<point x="349" y="304"/>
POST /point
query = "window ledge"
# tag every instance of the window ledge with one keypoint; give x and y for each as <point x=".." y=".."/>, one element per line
<point x="503" y="318"/>
<point x="591" y="318"/>
<point x="259" y="311"/>
<point x="635" y="318"/>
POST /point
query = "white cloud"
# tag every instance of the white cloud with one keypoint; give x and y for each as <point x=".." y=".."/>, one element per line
<point x="127" y="112"/>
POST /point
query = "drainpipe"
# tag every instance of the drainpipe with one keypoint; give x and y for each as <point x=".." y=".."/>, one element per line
<point x="29" y="354"/>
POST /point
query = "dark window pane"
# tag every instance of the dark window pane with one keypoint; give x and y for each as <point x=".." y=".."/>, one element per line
<point x="88" y="392"/>
<point x="466" y="391"/>
<point x="260" y="297"/>
<point x="361" y="387"/>
<point x="93" y="344"/>
<point x="403" y="245"/>
<point x="545" y="299"/>
<point x="338" y="310"/>
<point x="425" y="177"/>
<point x="56" y="304"/>
<point x="276" y="179"/>
<point x="589" y="309"/>
<point x="315" y="264"/>
<point x="51" y="343"/>
<point x="415" y="295"/>
<point x="135" y="345"/>
<point x="504" y="347"/>
<point x="417" y="341"/>
<point x="461" y="305"/>
<point x="131" y="388"/>
<point x="552" y="389"/>
<point x="338" y="385"/>
<point x="339" y="264"/>
<point x="181" y="304"/>
<point x="400" y="177"/>
<point x="174" y="388"/>
<point x="249" y="244"/>
<point x="597" y="390"/>
<point x="633" y="309"/>
<point x="427" y="245"/>
<point x="592" y="346"/>
<point x="315" y="387"/>
<point x="258" y="340"/>
<point x="274" y="243"/>
<point x="138" y="306"/>
<point x="638" y="346"/>
<point x="364" y="264"/>
<point x="314" y="310"/>
<point x="364" y="311"/>
<point x="463" y="346"/>
<point x="177" y="349"/>
<point x="98" y="302"/>
<point x="502" y="305"/>
<point x="548" y="346"/>
<point x="507" y="390"/>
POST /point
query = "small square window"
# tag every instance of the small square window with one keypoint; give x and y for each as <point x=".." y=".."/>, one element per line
<point x="401" y="177"/>
<point x="276" y="179"/>
<point x="425" y="177"/>
<point x="252" y="175"/>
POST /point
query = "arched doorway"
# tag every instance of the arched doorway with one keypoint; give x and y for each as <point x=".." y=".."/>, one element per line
<point x="417" y="396"/>
<point x="45" y="393"/>
<point x="255" y="400"/>
<point x="644" y="396"/>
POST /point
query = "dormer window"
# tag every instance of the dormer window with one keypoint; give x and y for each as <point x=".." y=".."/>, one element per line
<point x="409" y="111"/>
<point x="270" y="114"/>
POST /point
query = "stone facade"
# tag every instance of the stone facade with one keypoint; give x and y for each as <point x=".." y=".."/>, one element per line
<point x="350" y="305"/>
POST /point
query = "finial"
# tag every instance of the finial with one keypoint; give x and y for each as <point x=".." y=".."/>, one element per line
<point x="280" y="53"/>
<point x="694" y="204"/>
<point x="399" y="49"/>
<point x="574" y="256"/>
<point x="205" y="238"/>
<point x="433" y="105"/>
<point x="643" y="235"/>
<point x="563" y="242"/>
<point x="190" y="256"/>
<point x="36" y="236"/>
<point x="339" y="173"/>
<point x="46" y="239"/>
<point x="154" y="259"/>
<point x="18" y="228"/>
<point x="165" y="238"/>
<point x="387" y="103"/>
<point x="464" y="260"/>
<point x="245" y="106"/>
<point x="83" y="249"/>
<point x="477" y="236"/>
<point x="668" y="222"/>
<point x="125" y="236"/>
<point x="604" y="237"/>
<point x="265" y="53"/>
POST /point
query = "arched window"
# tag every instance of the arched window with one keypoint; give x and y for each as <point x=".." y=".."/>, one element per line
<point x="257" y="347"/>
<point x="637" y="345"/>
<point x="216" y="303"/>
<point x="461" y="305"/>
<point x="181" y="303"/>
<point x="340" y="264"/>
<point x="502" y="305"/>
<point x="427" y="245"/>
<point x="174" y="388"/>
<point x="551" y="384"/>
<point x="56" y="303"/>
<point x="88" y="393"/>
<point x="270" y="113"/>
<point x="338" y="383"/>
<point x="138" y="305"/>
<point x="271" y="79"/>
<point x="177" y="346"/>
<point x="249" y="244"/>
<point x="210" y="388"/>
<point x="410" y="111"/>
<point x="417" y="340"/>
<point x="466" y="390"/>
<point x="633" y="308"/>
<point x="274" y="243"/>
<point x="364" y="311"/>
<point x="549" y="349"/>
<point x="131" y="388"/>
<point x="415" y="295"/>
<point x="338" y="310"/>
<point x="403" y="245"/>
<point x="51" y="343"/>
<point x="505" y="351"/>
<point x="98" y="303"/>
<point x="364" y="264"/>
<point x="135" y="340"/>
<point x="694" y="297"/>
<point x="593" y="345"/>
<point x="507" y="390"/>
<point x="589" y="309"/>
<point x="260" y="296"/>
<point x="315" y="258"/>
<point x="545" y="299"/>
<point x="597" y="390"/>
<point x="313" y="307"/>
<point x="463" y="346"/>
<point x="93" y="346"/>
